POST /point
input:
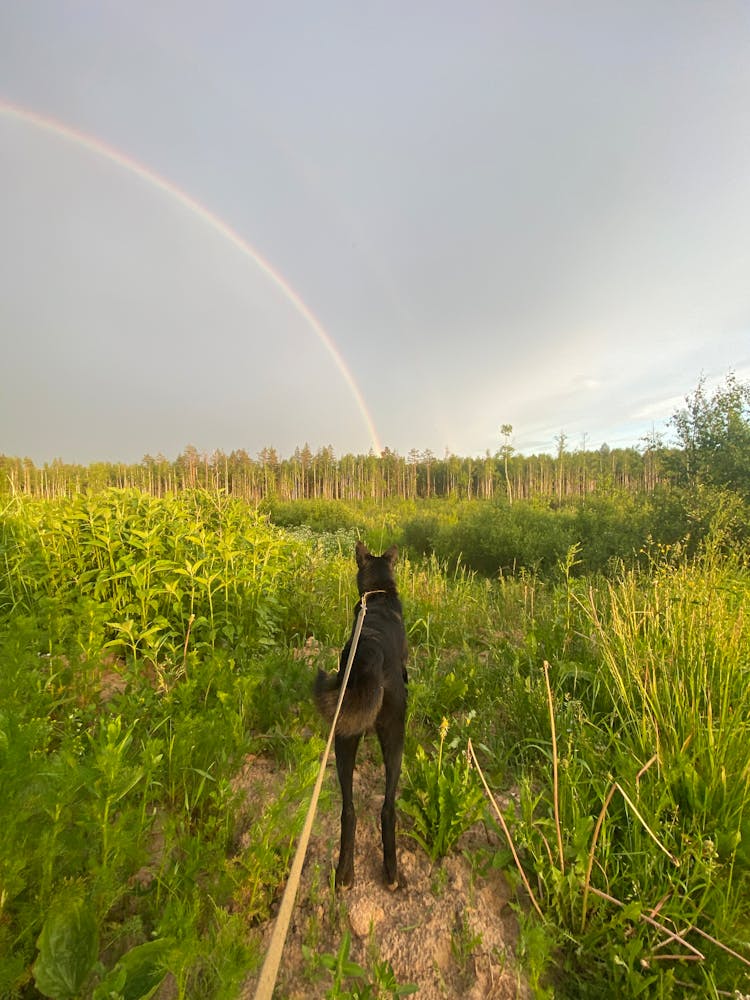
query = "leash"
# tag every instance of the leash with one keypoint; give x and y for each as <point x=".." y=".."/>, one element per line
<point x="269" y="972"/>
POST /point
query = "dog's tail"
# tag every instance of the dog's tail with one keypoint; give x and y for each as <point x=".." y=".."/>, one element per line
<point x="362" y="698"/>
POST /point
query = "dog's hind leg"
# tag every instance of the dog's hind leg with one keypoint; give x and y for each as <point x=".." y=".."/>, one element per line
<point x="346" y="754"/>
<point x="391" y="739"/>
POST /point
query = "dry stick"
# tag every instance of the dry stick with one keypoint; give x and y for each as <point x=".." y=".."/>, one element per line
<point x="657" y="909"/>
<point x="506" y="831"/>
<point x="718" y="944"/>
<point x="191" y="619"/>
<point x="267" y="981"/>
<point x="595" y="838"/>
<point x="645" y="767"/>
<point x="590" y="865"/>
<point x="547" y="848"/>
<point x="675" y="861"/>
<point x="555" y="795"/>
<point x="654" y="923"/>
<point x="673" y="958"/>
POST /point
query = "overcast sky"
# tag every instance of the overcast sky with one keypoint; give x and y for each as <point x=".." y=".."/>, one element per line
<point x="240" y="224"/>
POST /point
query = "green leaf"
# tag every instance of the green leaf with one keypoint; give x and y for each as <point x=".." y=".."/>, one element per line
<point x="138" y="974"/>
<point x="68" y="947"/>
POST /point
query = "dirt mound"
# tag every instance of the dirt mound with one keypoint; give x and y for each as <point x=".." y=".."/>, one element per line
<point x="448" y="929"/>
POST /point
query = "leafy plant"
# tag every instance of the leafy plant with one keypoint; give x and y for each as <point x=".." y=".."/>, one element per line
<point x="68" y="947"/>
<point x="441" y="796"/>
<point x="353" y="982"/>
<point x="464" y="942"/>
<point x="341" y="968"/>
<point x="138" y="974"/>
<point x="385" y="983"/>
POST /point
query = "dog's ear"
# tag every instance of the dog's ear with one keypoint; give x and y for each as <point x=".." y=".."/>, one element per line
<point x="362" y="554"/>
<point x="391" y="554"/>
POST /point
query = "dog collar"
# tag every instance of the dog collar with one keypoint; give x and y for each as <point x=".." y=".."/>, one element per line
<point x="369" y="593"/>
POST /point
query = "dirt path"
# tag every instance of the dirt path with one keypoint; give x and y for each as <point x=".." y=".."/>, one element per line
<point x="448" y="929"/>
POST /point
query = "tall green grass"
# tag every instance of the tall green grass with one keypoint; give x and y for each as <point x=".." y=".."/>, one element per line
<point x="635" y="819"/>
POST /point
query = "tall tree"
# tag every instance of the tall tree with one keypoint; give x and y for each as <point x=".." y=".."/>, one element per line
<point x="713" y="433"/>
<point x="561" y="440"/>
<point x="506" y="450"/>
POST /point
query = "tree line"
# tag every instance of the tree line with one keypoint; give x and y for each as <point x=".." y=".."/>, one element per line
<point x="712" y="445"/>
<point x="321" y="475"/>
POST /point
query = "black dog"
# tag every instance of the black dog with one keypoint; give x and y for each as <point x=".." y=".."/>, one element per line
<point x="375" y="696"/>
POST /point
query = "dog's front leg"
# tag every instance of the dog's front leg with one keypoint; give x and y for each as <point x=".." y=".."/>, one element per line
<point x="346" y="754"/>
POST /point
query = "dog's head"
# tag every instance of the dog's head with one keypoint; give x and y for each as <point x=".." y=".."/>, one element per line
<point x="375" y="572"/>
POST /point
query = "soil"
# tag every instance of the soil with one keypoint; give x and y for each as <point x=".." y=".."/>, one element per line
<point x="448" y="928"/>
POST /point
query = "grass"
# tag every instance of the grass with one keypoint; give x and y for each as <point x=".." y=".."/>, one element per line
<point x="635" y="822"/>
<point x="148" y="646"/>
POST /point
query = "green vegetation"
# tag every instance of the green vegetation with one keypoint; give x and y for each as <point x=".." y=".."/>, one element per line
<point x="352" y="982"/>
<point x="441" y="797"/>
<point x="647" y="824"/>
<point x="154" y="649"/>
<point x="139" y="642"/>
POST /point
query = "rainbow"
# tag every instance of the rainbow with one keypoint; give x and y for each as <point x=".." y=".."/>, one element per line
<point x="96" y="146"/>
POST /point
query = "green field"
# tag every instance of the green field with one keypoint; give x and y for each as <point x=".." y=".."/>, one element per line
<point x="149" y="644"/>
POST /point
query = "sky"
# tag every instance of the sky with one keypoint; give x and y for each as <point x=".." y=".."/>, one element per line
<point x="249" y="224"/>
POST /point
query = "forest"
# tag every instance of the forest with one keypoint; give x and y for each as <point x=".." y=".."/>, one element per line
<point x="710" y="445"/>
<point x="321" y="475"/>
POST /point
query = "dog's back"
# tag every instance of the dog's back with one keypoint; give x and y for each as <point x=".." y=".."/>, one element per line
<point x="377" y="683"/>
